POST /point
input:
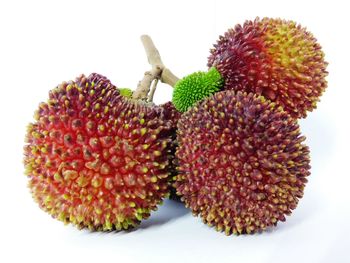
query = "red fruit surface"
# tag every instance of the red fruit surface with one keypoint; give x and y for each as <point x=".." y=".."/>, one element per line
<point x="275" y="58"/>
<point x="96" y="159"/>
<point x="242" y="163"/>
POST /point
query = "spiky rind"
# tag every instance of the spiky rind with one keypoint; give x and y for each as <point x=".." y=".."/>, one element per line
<point x="172" y="114"/>
<point x="126" y="92"/>
<point x="195" y="87"/>
<point x="242" y="164"/>
<point x="96" y="159"/>
<point x="275" y="58"/>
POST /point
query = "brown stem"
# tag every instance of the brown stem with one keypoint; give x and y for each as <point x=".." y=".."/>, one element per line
<point x="168" y="77"/>
<point x="144" y="85"/>
<point x="158" y="71"/>
<point x="152" y="52"/>
<point x="153" y="89"/>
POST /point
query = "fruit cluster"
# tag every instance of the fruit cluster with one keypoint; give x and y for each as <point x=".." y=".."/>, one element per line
<point x="228" y="146"/>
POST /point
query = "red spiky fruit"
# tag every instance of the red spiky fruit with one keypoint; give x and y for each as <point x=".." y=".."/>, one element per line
<point x="173" y="115"/>
<point x="97" y="159"/>
<point x="275" y="58"/>
<point x="242" y="164"/>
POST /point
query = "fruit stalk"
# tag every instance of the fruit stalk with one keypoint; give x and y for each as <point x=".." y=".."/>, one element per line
<point x="158" y="71"/>
<point x="153" y="89"/>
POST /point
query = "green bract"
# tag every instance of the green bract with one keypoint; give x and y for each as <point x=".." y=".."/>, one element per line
<point x="126" y="92"/>
<point x="195" y="87"/>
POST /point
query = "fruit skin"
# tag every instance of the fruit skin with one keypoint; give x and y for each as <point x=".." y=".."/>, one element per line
<point x="96" y="159"/>
<point x="242" y="164"/>
<point x="173" y="115"/>
<point x="195" y="87"/>
<point x="126" y="92"/>
<point x="275" y="58"/>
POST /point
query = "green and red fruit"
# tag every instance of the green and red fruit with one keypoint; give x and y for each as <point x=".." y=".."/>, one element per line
<point x="275" y="58"/>
<point x="241" y="162"/>
<point x="97" y="159"/>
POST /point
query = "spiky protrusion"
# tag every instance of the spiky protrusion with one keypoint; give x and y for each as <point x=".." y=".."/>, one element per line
<point x="172" y="114"/>
<point x="195" y="87"/>
<point x="242" y="164"/>
<point x="96" y="159"/>
<point x="275" y="58"/>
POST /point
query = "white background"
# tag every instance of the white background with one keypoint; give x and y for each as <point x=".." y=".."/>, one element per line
<point x="45" y="42"/>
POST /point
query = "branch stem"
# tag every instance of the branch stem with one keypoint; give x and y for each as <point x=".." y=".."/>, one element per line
<point x="158" y="71"/>
<point x="153" y="89"/>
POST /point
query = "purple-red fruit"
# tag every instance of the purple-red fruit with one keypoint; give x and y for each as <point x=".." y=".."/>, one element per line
<point x="275" y="58"/>
<point x="242" y="163"/>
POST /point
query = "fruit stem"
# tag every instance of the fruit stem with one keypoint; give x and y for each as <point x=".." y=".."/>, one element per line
<point x="168" y="77"/>
<point x="158" y="71"/>
<point x="153" y="89"/>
